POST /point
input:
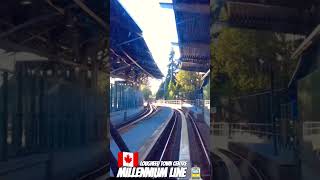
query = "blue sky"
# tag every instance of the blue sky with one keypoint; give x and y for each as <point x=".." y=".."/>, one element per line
<point x="159" y="30"/>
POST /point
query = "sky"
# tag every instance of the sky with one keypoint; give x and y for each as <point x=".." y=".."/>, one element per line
<point x="159" y="31"/>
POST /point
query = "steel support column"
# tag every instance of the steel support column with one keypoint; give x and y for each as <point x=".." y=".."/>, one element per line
<point x="4" y="118"/>
<point x="17" y="127"/>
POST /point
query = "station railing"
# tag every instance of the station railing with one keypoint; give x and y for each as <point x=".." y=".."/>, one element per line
<point x="197" y="102"/>
<point x="257" y="129"/>
<point x="311" y="128"/>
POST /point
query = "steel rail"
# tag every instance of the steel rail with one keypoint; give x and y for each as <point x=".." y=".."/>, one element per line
<point x="170" y="136"/>
<point x="247" y="161"/>
<point x="139" y="119"/>
<point x="201" y="141"/>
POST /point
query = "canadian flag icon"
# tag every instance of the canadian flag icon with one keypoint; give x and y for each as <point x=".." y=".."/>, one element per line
<point x="128" y="159"/>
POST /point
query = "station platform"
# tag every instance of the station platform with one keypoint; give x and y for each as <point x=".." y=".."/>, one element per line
<point x="184" y="152"/>
<point x="143" y="132"/>
<point x="118" y="117"/>
<point x="205" y="112"/>
<point x="223" y="141"/>
<point x="266" y="150"/>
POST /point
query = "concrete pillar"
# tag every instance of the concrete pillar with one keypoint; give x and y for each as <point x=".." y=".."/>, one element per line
<point x="17" y="125"/>
<point x="42" y="118"/>
<point x="4" y="118"/>
<point x="33" y="130"/>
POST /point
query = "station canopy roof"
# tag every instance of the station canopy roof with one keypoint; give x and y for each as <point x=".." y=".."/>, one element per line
<point x="193" y="27"/>
<point x="70" y="31"/>
<point x="287" y="16"/>
<point x="130" y="56"/>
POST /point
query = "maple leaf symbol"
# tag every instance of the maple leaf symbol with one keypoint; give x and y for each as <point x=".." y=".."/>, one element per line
<point x="128" y="159"/>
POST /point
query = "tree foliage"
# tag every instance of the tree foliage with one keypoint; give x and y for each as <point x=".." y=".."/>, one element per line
<point x="206" y="92"/>
<point x="146" y="92"/>
<point x="167" y="89"/>
<point x="242" y="59"/>
<point x="172" y="90"/>
<point x="160" y="92"/>
<point x="187" y="83"/>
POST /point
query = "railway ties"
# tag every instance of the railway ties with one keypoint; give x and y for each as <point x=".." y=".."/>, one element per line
<point x="179" y="138"/>
<point x="176" y="138"/>
<point x="165" y="147"/>
<point x="234" y="166"/>
<point x="199" y="155"/>
<point x="182" y="141"/>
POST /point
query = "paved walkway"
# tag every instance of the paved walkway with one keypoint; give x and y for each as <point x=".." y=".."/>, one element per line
<point x="184" y="153"/>
<point x="137" y="136"/>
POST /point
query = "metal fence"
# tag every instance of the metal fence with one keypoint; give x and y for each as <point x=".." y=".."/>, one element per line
<point x="252" y="115"/>
<point x="197" y="102"/>
<point x="124" y="96"/>
<point x="43" y="110"/>
<point x="230" y="129"/>
<point x="311" y="128"/>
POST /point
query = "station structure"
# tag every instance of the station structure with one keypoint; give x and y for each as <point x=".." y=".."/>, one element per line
<point x="53" y="84"/>
<point x="130" y="60"/>
<point x="274" y="128"/>
<point x="193" y="20"/>
<point x="163" y="129"/>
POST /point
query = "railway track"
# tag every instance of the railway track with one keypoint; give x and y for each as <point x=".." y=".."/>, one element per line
<point x="246" y="169"/>
<point x="199" y="154"/>
<point x="166" y="146"/>
<point x="219" y="169"/>
<point x="148" y="112"/>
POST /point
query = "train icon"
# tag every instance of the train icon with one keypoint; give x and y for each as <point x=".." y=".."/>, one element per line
<point x="195" y="173"/>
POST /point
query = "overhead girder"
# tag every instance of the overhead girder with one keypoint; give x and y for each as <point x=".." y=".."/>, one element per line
<point x="193" y="33"/>
<point x="48" y="33"/>
<point x="277" y="16"/>
<point x="190" y="8"/>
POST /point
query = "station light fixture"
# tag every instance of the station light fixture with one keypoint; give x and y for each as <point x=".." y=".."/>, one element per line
<point x="68" y="73"/>
<point x="89" y="74"/>
<point x="49" y="72"/>
<point x="25" y="2"/>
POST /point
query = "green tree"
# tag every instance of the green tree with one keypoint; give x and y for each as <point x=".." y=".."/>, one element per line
<point x="170" y="78"/>
<point x="146" y="92"/>
<point x="206" y="92"/>
<point x="237" y="56"/>
<point x="187" y="83"/>
<point x="172" y="93"/>
<point x="160" y="92"/>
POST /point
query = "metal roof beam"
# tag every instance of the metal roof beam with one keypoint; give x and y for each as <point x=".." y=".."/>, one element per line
<point x="135" y="62"/>
<point x="10" y="46"/>
<point x="26" y="24"/>
<point x="91" y="13"/>
<point x="192" y="8"/>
